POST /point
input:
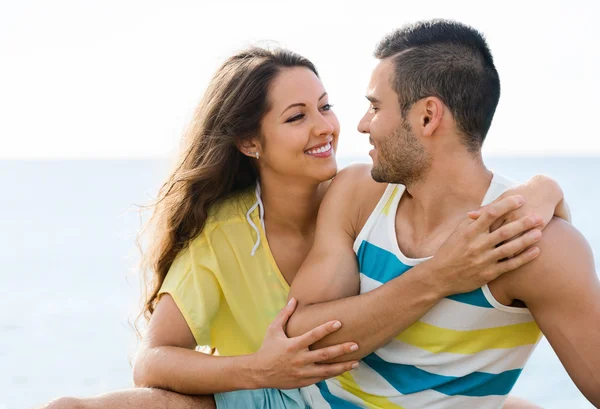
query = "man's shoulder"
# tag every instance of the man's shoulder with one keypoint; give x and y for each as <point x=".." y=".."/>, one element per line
<point x="561" y="242"/>
<point x="565" y="256"/>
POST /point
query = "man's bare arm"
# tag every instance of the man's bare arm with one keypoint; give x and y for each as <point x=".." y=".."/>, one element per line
<point x="562" y="291"/>
<point x="327" y="285"/>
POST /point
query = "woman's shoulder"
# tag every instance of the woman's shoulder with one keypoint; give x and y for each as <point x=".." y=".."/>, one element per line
<point x="231" y="209"/>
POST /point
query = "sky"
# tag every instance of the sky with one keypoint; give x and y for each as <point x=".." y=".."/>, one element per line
<point x="120" y="79"/>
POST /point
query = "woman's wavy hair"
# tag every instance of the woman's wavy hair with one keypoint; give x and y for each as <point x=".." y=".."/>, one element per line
<point x="210" y="166"/>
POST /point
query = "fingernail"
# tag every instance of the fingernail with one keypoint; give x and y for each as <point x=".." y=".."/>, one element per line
<point x="290" y="302"/>
<point x="535" y="234"/>
<point x="355" y="365"/>
<point x="536" y="218"/>
<point x="336" y="325"/>
<point x="354" y="347"/>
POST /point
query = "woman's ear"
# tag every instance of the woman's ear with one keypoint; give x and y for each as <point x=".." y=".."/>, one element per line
<point x="249" y="147"/>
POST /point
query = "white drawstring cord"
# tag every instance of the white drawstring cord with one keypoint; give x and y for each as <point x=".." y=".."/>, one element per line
<point x="261" y="211"/>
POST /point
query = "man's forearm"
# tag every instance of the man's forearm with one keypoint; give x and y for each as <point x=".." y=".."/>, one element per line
<point x="371" y="319"/>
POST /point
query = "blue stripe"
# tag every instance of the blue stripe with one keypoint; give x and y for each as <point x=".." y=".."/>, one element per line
<point x="379" y="264"/>
<point x="408" y="379"/>
<point x="383" y="266"/>
<point x="476" y="298"/>
<point x="334" y="401"/>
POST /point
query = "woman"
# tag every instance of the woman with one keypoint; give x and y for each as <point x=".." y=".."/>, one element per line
<point x="232" y="225"/>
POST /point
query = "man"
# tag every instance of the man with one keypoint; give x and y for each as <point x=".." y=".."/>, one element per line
<point x="433" y="94"/>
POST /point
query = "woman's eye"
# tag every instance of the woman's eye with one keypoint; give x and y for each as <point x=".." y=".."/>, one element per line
<point x="327" y="107"/>
<point x="373" y="108"/>
<point x="295" y="118"/>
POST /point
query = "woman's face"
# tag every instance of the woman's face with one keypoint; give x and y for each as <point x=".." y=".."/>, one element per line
<point x="300" y="131"/>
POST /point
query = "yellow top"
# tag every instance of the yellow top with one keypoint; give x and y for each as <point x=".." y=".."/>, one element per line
<point x="227" y="296"/>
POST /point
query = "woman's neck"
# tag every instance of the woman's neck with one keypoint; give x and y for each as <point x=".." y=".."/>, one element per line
<point x="291" y="204"/>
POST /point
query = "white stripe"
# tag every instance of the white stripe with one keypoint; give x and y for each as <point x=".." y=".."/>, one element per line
<point x="336" y="390"/>
<point x="313" y="398"/>
<point x="379" y="236"/>
<point x="456" y="315"/>
<point x="459" y="316"/>
<point x="431" y="399"/>
<point x="364" y="232"/>
<point x="492" y="361"/>
<point x="371" y="382"/>
<point x="498" y="186"/>
<point x="368" y="284"/>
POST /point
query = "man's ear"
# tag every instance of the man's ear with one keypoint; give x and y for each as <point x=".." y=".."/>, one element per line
<point x="431" y="115"/>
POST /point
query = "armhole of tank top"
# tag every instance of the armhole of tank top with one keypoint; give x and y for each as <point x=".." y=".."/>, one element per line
<point x="499" y="306"/>
<point x="373" y="216"/>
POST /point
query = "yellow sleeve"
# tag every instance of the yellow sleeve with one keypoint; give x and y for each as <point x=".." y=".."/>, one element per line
<point x="195" y="290"/>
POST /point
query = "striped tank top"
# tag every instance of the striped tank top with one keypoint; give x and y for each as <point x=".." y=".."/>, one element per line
<point x="466" y="352"/>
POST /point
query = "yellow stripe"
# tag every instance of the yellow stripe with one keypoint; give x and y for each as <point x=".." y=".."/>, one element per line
<point x="386" y="208"/>
<point x="435" y="339"/>
<point x="348" y="383"/>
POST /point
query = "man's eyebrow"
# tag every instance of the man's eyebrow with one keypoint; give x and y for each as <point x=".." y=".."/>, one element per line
<point x="300" y="104"/>
<point x="372" y="99"/>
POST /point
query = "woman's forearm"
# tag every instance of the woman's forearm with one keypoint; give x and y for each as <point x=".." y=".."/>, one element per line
<point x="371" y="319"/>
<point x="191" y="372"/>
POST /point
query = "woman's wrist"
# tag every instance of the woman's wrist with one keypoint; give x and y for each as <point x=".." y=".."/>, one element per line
<point x="434" y="281"/>
<point x="550" y="188"/>
<point x="251" y="377"/>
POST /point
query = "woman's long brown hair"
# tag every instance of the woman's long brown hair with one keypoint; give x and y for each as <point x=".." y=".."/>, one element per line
<point x="210" y="166"/>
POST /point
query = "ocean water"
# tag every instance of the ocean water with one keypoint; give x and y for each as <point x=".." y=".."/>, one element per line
<point x="68" y="292"/>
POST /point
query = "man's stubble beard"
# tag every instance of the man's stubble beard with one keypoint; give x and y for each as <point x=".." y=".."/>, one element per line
<point x="402" y="159"/>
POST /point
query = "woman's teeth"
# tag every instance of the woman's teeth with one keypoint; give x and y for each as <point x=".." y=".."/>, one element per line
<point x="322" y="149"/>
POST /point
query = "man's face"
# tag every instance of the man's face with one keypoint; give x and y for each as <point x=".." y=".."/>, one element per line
<point x="398" y="155"/>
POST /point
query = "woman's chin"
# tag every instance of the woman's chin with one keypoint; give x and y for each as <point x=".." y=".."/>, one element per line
<point x="328" y="173"/>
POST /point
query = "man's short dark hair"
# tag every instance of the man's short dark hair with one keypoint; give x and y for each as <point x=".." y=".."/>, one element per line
<point x="448" y="60"/>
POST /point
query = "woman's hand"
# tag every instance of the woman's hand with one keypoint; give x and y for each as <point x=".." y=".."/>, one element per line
<point x="543" y="196"/>
<point x="473" y="256"/>
<point x="286" y="363"/>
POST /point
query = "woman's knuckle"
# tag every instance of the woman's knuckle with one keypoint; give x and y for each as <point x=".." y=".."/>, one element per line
<point x="503" y="234"/>
<point x="488" y="275"/>
<point x="472" y="250"/>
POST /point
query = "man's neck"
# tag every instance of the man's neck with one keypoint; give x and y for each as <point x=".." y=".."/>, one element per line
<point x="455" y="184"/>
<point x="291" y="204"/>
